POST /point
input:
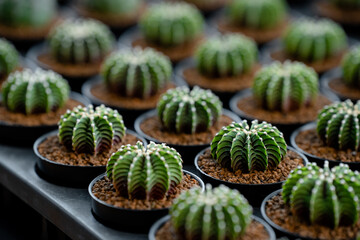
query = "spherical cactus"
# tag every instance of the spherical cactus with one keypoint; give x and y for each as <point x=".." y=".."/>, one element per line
<point x="36" y="91"/>
<point x="226" y="56"/>
<point x="111" y="6"/>
<point x="314" y="39"/>
<point x="137" y="73"/>
<point x="89" y="130"/>
<point x="219" y="213"/>
<point x="338" y="125"/>
<point x="80" y="41"/>
<point x="286" y="86"/>
<point x="346" y="3"/>
<point x="9" y="57"/>
<point x="169" y="24"/>
<point x="323" y="196"/>
<point x="240" y="147"/>
<point x="184" y="111"/>
<point x="139" y="173"/>
<point x="259" y="14"/>
<point x="351" y="68"/>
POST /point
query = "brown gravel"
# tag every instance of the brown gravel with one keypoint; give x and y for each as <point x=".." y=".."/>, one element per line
<point x="53" y="150"/>
<point x="104" y="190"/>
<point x="51" y="118"/>
<point x="291" y="161"/>
<point x="350" y="16"/>
<point x="281" y="215"/>
<point x="306" y="114"/>
<point x="310" y="142"/>
<point x="153" y="128"/>
<point x="339" y="86"/>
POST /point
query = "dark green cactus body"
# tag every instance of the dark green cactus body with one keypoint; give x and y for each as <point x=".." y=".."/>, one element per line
<point x="89" y="130"/>
<point x="137" y="73"/>
<point x="286" y="86"/>
<point x="184" y="111"/>
<point x="240" y="147"/>
<point x="314" y="39"/>
<point x="338" y="125"/>
<point x="219" y="213"/>
<point x="226" y="56"/>
<point x="80" y="41"/>
<point x="351" y="68"/>
<point x="350" y="4"/>
<point x="169" y="24"/>
<point x="36" y="91"/>
<point x="323" y="196"/>
<point x="112" y="6"/>
<point x="139" y="173"/>
<point x="9" y="57"/>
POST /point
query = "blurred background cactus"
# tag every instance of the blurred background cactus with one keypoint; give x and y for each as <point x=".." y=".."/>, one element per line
<point x="9" y="57"/>
<point x="285" y="86"/>
<point x="351" y="68"/>
<point x="89" y="130"/>
<point x="226" y="56"/>
<point x="346" y="3"/>
<point x="111" y="6"/>
<point x="36" y="91"/>
<point x="136" y="72"/>
<point x="189" y="111"/>
<point x="145" y="173"/>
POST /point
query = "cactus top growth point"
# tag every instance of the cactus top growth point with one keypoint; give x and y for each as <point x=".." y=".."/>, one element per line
<point x="351" y="68"/>
<point x="112" y="6"/>
<point x="169" y="24"/>
<point x="9" y="57"/>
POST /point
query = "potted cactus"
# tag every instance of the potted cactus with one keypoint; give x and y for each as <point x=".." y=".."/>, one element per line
<point x="9" y="59"/>
<point x="345" y="12"/>
<point x="219" y="213"/>
<point x="140" y="183"/>
<point x="316" y="203"/>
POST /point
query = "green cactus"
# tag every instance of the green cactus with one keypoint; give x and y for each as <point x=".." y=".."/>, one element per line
<point x="259" y="14"/>
<point x="139" y="173"/>
<point x="240" y="147"/>
<point x="286" y="86"/>
<point x="338" y="125"/>
<point x="323" y="196"/>
<point x="314" y="39"/>
<point x="9" y="57"/>
<point x="226" y="56"/>
<point x="111" y="6"/>
<point x="346" y="3"/>
<point x="351" y="68"/>
<point x="80" y="41"/>
<point x="169" y="24"/>
<point x="89" y="130"/>
<point x="136" y="72"/>
<point x="219" y="213"/>
<point x="36" y="91"/>
<point x="184" y="111"/>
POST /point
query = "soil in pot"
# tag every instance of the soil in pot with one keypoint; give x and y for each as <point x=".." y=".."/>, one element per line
<point x="339" y="87"/>
<point x="347" y="16"/>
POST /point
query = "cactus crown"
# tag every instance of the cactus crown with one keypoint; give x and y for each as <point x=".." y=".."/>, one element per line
<point x="314" y="39"/>
<point x="240" y="147"/>
<point x="323" y="196"/>
<point x="346" y="3"/>
<point x="9" y="57"/>
<point x="169" y="24"/>
<point x="139" y="173"/>
<point x="80" y="41"/>
<point x="36" y="91"/>
<point x="351" y="68"/>
<point x="226" y="56"/>
<point x="259" y="14"/>
<point x="136" y="72"/>
<point x="184" y="111"/>
<point x="219" y="213"/>
<point x="89" y="130"/>
<point x="112" y="6"/>
<point x="338" y="125"/>
<point x="285" y="86"/>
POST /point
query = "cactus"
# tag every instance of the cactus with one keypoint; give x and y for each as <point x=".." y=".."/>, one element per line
<point x="184" y="111"/>
<point x="226" y="56"/>
<point x="351" y="68"/>
<point x="259" y="14"/>
<point x="112" y="6"/>
<point x="240" y="147"/>
<point x="314" y="39"/>
<point x="80" y="41"/>
<point x="169" y="24"/>
<point x="139" y="173"/>
<point x="338" y="125"/>
<point x="346" y="3"/>
<point x="9" y="57"/>
<point x="323" y="196"/>
<point x="219" y="213"/>
<point x="36" y="91"/>
<point x="137" y="73"/>
<point x="286" y="86"/>
<point x="89" y="130"/>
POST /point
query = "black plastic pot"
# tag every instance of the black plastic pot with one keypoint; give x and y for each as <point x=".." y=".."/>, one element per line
<point x="159" y="223"/>
<point x="254" y="193"/>
<point x="20" y="135"/>
<point x="68" y="175"/>
<point x="187" y="152"/>
<point x="312" y="158"/>
<point x="128" y="219"/>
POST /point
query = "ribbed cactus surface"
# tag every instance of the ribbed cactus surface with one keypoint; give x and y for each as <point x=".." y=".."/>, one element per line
<point x="351" y="68"/>
<point x="112" y="6"/>
<point x="9" y="57"/>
